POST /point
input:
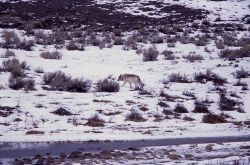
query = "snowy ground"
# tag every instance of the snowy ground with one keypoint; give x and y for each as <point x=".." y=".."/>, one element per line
<point x="95" y="64"/>
<point x="34" y="107"/>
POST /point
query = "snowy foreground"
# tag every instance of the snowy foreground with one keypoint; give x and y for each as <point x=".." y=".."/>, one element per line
<point x="32" y="109"/>
<point x="201" y="154"/>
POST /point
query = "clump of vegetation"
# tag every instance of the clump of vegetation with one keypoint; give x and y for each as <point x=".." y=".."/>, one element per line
<point x="26" y="44"/>
<point x="57" y="37"/>
<point x="39" y="70"/>
<point x="150" y="54"/>
<point x="202" y="40"/>
<point x="34" y="132"/>
<point x="192" y="57"/>
<point x="209" y="76"/>
<point x="61" y="82"/>
<point x="13" y="65"/>
<point x="62" y="112"/>
<point x="72" y="45"/>
<point x="17" y="83"/>
<point x="241" y="73"/>
<point x="8" y="54"/>
<point x="156" y="39"/>
<point x="220" y="45"/>
<point x="186" y="118"/>
<point x="135" y="116"/>
<point x="10" y="40"/>
<point x="226" y="104"/>
<point x="234" y="54"/>
<point x="51" y="55"/>
<point x="248" y="20"/>
<point x="17" y="79"/>
<point x="5" y="111"/>
<point x="108" y="85"/>
<point x="169" y="55"/>
<point x="200" y="107"/>
<point x="95" y="121"/>
<point x="213" y="119"/>
<point x="177" y="77"/>
<point x="118" y="41"/>
<point x="241" y="83"/>
<point x="179" y="108"/>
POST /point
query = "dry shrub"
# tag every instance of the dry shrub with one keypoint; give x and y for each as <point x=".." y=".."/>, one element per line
<point x="8" y="54"/>
<point x="95" y="121"/>
<point x="202" y="40"/>
<point x="57" y="37"/>
<point x="248" y="20"/>
<point x="192" y="57"/>
<point x="150" y="54"/>
<point x="209" y="76"/>
<point x="108" y="85"/>
<point x="29" y="84"/>
<point x="34" y="132"/>
<point x="171" y="39"/>
<point x="241" y="83"/>
<point x="244" y="41"/>
<point x="177" y="77"/>
<point x="39" y="70"/>
<point x="206" y="22"/>
<point x="17" y="80"/>
<point x="186" y="118"/>
<point x="5" y="111"/>
<point x="179" y="108"/>
<point x="169" y="55"/>
<point x="15" y="67"/>
<point x="200" y="107"/>
<point x="26" y="45"/>
<point x="10" y="40"/>
<point x="163" y="104"/>
<point x="220" y="45"/>
<point x="241" y="73"/>
<point x="226" y="104"/>
<point x="213" y="119"/>
<point x="135" y="116"/>
<point x="171" y="45"/>
<point x="62" y="112"/>
<point x="238" y="53"/>
<point x="51" y="55"/>
<point x="230" y="40"/>
<point x="156" y="39"/>
<point x="60" y="81"/>
<point x="72" y="45"/>
<point x="118" y="41"/>
<point x="17" y="83"/>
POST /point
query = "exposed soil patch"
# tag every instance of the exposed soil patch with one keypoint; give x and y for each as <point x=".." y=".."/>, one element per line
<point x="73" y="14"/>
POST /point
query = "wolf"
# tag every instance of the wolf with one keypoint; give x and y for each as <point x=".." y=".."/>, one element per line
<point x="131" y="78"/>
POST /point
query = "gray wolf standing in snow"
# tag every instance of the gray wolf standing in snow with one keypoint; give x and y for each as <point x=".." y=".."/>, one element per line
<point x="131" y="78"/>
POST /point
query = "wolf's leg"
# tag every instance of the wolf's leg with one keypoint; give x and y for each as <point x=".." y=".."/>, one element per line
<point x="124" y="83"/>
<point x="136" y="84"/>
<point x="130" y="85"/>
